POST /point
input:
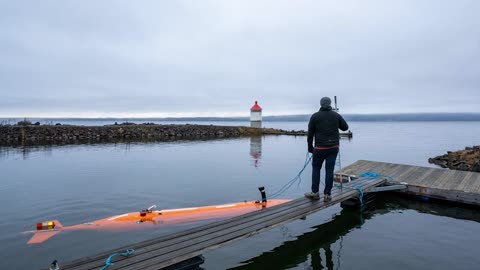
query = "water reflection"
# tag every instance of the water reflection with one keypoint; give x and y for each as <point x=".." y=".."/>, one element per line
<point x="311" y="245"/>
<point x="24" y="152"/>
<point x="256" y="150"/>
<point x="322" y="247"/>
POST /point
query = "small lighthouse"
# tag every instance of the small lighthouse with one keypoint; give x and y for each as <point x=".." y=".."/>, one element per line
<point x="256" y="115"/>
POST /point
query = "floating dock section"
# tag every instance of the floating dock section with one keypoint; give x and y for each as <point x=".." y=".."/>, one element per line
<point x="436" y="183"/>
<point x="168" y="250"/>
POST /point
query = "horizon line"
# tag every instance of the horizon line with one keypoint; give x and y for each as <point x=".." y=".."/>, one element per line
<point x="233" y="116"/>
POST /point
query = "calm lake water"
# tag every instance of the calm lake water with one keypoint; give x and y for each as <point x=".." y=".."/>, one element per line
<point x="81" y="183"/>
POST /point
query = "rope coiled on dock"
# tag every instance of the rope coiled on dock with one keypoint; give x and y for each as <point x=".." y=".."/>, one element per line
<point x="364" y="175"/>
<point x="124" y="254"/>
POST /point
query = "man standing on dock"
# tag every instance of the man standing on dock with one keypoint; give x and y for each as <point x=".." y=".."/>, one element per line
<point x="323" y="126"/>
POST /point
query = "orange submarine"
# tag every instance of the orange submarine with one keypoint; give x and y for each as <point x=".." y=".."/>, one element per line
<point x="150" y="218"/>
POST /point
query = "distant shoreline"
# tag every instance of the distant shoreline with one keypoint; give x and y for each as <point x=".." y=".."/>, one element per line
<point x="406" y="117"/>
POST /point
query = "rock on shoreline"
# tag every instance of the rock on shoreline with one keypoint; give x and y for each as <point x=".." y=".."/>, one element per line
<point x="65" y="134"/>
<point x="463" y="160"/>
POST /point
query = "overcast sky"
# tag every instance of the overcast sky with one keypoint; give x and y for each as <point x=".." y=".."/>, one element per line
<point x="215" y="58"/>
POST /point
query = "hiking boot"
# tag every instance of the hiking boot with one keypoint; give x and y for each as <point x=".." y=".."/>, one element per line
<point x="312" y="195"/>
<point x="327" y="198"/>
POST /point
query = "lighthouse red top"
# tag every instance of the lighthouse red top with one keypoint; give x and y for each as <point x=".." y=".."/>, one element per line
<point x="256" y="107"/>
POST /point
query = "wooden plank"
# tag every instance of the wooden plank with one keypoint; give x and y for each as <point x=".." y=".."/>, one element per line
<point x="187" y="232"/>
<point x="475" y="183"/>
<point x="476" y="187"/>
<point x="457" y="178"/>
<point x="458" y="186"/>
<point x="179" y="236"/>
<point x="354" y="168"/>
<point x="381" y="168"/>
<point x="421" y="176"/>
<point x="416" y="176"/>
<point x="421" y="181"/>
<point x="391" y="170"/>
<point x="287" y="214"/>
<point x="182" y="236"/>
<point x="467" y="181"/>
<point x="387" y="169"/>
<point x="407" y="172"/>
<point x="179" y="240"/>
<point x="429" y="178"/>
<point x="166" y="250"/>
<point x="244" y="230"/>
<point x="358" y="167"/>
<point x="433" y="179"/>
<point x="137" y="252"/>
<point x="445" y="179"/>
<point x="442" y="180"/>
<point x="362" y="166"/>
<point x="411" y="174"/>
<point x="221" y="230"/>
<point x="455" y="181"/>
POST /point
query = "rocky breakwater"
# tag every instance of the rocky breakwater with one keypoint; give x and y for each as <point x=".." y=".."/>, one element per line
<point x="66" y="134"/>
<point x="463" y="160"/>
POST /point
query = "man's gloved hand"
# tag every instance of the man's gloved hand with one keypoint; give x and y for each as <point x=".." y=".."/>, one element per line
<point x="310" y="149"/>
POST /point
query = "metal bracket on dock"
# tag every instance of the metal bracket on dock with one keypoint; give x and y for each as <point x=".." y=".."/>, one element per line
<point x="342" y="178"/>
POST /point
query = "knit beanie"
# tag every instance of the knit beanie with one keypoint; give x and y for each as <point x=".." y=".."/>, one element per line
<point x="325" y="102"/>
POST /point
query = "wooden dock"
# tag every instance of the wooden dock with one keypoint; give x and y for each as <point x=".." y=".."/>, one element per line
<point x="167" y="250"/>
<point x="437" y="183"/>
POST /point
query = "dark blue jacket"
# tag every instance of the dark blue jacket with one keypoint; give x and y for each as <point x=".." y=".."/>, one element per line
<point x="324" y="126"/>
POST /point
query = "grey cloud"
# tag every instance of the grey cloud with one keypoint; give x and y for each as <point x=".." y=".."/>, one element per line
<point x="219" y="56"/>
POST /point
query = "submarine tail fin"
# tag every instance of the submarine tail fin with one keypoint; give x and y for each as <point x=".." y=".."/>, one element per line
<point x="45" y="230"/>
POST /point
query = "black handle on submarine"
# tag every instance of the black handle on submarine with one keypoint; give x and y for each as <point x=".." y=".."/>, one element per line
<point x="264" y="195"/>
